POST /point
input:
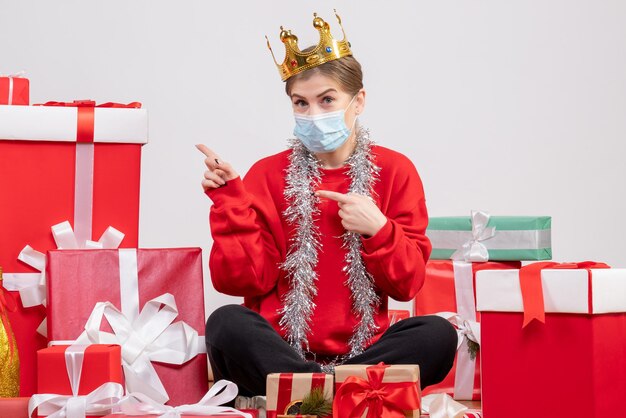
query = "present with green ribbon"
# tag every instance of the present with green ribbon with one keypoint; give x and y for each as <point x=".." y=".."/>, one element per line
<point x="481" y="237"/>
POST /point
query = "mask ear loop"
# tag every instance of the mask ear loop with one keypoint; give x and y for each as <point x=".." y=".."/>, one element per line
<point x="356" y="113"/>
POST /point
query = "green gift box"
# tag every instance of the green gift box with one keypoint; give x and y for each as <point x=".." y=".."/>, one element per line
<point x="481" y="237"/>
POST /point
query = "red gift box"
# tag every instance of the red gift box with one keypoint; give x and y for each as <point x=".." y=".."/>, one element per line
<point x="379" y="390"/>
<point x="285" y="389"/>
<point x="397" y="315"/>
<point x="574" y="364"/>
<point x="100" y="364"/>
<point x="14" y="90"/>
<point x="129" y="279"/>
<point x="14" y="407"/>
<point x="42" y="183"/>
<point x="449" y="287"/>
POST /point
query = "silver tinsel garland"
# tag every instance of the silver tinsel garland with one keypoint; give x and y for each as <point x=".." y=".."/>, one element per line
<point x="303" y="177"/>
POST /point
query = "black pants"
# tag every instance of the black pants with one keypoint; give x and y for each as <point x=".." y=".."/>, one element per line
<point x="244" y="348"/>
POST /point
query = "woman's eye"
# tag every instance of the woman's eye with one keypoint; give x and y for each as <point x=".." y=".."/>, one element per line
<point x="328" y="100"/>
<point x="300" y="103"/>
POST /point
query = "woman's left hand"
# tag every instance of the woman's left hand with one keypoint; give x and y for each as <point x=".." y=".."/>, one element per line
<point x="358" y="213"/>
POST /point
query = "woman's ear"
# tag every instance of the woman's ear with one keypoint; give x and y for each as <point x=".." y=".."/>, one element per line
<point x="360" y="101"/>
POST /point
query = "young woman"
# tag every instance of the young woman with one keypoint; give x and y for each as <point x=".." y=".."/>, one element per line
<point x="318" y="237"/>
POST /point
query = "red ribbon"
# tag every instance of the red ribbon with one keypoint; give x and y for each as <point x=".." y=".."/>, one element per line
<point x="532" y="290"/>
<point x="382" y="400"/>
<point x="86" y="118"/>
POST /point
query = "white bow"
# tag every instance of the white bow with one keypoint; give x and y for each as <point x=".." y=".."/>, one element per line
<point x="99" y="401"/>
<point x="151" y="336"/>
<point x="465" y="328"/>
<point x="32" y="286"/>
<point x="474" y="249"/>
<point x="442" y="405"/>
<point x="141" y="404"/>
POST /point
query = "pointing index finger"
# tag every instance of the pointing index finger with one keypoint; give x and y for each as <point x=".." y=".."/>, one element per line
<point x="205" y="150"/>
<point x="337" y="197"/>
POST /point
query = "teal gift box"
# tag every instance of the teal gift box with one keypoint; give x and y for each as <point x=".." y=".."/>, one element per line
<point x="481" y="237"/>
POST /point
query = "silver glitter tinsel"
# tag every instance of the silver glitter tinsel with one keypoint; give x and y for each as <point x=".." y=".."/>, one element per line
<point x="365" y="301"/>
<point x="303" y="177"/>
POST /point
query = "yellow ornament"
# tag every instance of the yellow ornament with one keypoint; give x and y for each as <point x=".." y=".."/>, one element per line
<point x="9" y="359"/>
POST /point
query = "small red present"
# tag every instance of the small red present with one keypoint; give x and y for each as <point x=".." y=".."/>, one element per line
<point x="448" y="290"/>
<point x="140" y="293"/>
<point x="65" y="372"/>
<point x="285" y="390"/>
<point x="377" y="391"/>
<point x="14" y="407"/>
<point x="79" y="164"/>
<point x="557" y="332"/>
<point x="14" y="90"/>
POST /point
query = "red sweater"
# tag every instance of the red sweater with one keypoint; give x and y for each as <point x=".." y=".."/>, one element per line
<point x="251" y="239"/>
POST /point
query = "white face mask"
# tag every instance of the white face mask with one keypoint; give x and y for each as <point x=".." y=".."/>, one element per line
<point x="324" y="132"/>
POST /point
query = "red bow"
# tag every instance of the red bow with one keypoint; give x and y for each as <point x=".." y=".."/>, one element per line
<point x="86" y="115"/>
<point x="382" y="400"/>
<point x="532" y="290"/>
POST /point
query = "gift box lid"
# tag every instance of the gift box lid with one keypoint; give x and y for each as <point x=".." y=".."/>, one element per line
<point x="59" y="123"/>
<point x="393" y="373"/>
<point x="592" y="291"/>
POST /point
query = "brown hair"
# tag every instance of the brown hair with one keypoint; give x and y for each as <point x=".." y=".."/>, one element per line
<point x="346" y="71"/>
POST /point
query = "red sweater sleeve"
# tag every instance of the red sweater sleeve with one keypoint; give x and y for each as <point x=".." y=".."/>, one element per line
<point x="244" y="259"/>
<point x="396" y="256"/>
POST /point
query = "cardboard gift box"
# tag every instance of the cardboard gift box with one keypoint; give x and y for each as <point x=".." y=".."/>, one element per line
<point x="77" y="164"/>
<point x="574" y="362"/>
<point x="75" y="371"/>
<point x="481" y="237"/>
<point x="287" y="389"/>
<point x="137" y="294"/>
<point x="14" y="90"/>
<point x="390" y="390"/>
<point x="448" y="290"/>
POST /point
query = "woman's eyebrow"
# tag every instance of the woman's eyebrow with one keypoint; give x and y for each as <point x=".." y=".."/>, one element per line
<point x="319" y="95"/>
<point x="326" y="91"/>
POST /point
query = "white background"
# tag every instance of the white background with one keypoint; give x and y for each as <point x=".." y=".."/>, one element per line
<point x="515" y="107"/>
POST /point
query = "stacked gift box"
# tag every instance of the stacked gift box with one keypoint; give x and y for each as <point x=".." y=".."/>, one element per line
<point x="72" y="267"/>
<point x="462" y="247"/>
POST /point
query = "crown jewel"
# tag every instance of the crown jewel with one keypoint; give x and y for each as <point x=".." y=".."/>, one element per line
<point x="327" y="49"/>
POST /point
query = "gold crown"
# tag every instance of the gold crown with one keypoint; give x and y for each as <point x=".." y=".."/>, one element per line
<point x="327" y="49"/>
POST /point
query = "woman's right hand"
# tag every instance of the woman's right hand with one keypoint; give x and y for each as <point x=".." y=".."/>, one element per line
<point x="218" y="171"/>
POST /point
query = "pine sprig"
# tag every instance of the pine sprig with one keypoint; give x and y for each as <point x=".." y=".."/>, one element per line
<point x="472" y="348"/>
<point x="316" y="404"/>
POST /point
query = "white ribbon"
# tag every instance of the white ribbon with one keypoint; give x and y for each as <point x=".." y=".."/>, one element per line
<point x="441" y="405"/>
<point x="140" y="404"/>
<point x="474" y="249"/>
<point x="32" y="286"/>
<point x="99" y="401"/>
<point x="468" y="329"/>
<point x="151" y="336"/>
